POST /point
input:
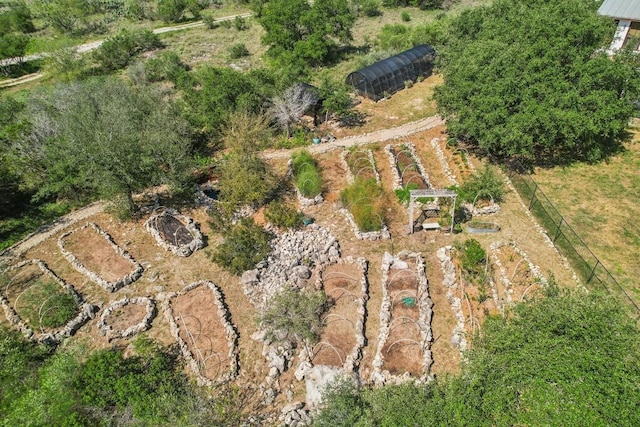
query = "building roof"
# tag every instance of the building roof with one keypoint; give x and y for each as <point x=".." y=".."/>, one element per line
<point x="621" y="9"/>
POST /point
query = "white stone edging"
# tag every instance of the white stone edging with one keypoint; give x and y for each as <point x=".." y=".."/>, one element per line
<point x="435" y="143"/>
<point x="458" y="337"/>
<point x="383" y="234"/>
<point x="108" y="286"/>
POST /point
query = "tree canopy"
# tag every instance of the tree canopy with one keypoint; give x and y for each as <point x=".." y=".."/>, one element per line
<point x="101" y="138"/>
<point x="570" y="358"/>
<point x="530" y="79"/>
<point x="303" y="33"/>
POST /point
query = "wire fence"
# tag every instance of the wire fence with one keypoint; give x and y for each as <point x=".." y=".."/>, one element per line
<point x="590" y="269"/>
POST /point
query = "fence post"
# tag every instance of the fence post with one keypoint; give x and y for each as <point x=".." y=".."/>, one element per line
<point x="593" y="272"/>
<point x="533" y="196"/>
<point x="558" y="231"/>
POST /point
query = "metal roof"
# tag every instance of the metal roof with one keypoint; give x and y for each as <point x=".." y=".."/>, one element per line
<point x="621" y="9"/>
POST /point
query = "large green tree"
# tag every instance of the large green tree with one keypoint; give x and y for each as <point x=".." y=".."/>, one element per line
<point x="529" y="78"/>
<point x="302" y="33"/>
<point x="570" y="358"/>
<point x="102" y="138"/>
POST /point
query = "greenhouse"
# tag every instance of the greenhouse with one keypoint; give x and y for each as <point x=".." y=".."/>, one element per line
<point x="388" y="76"/>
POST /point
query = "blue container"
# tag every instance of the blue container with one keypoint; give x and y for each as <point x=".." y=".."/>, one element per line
<point x="316" y="141"/>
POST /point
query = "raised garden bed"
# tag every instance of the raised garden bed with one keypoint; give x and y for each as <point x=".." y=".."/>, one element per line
<point x="406" y="167"/>
<point x="94" y="253"/>
<point x="308" y="181"/>
<point x="118" y="320"/>
<point x="342" y="339"/>
<point x="364" y="207"/>
<point x="208" y="342"/>
<point x="405" y="337"/>
<point x="359" y="164"/>
<point x="40" y="304"/>
<point x="174" y="232"/>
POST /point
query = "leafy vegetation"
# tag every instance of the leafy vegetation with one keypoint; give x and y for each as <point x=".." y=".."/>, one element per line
<point x="118" y="51"/>
<point x="566" y="358"/>
<point x="47" y="305"/>
<point x="532" y="80"/>
<point x="365" y="200"/>
<point x="486" y="185"/>
<point x="245" y="244"/>
<point x="306" y="173"/>
<point x="283" y="215"/>
<point x="296" y="314"/>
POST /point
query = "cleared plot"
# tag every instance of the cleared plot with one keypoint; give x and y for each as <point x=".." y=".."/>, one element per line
<point x="94" y="253"/>
<point x="405" y="320"/>
<point x="34" y="299"/>
<point x="513" y="275"/>
<point x="342" y="338"/>
<point x="200" y="323"/>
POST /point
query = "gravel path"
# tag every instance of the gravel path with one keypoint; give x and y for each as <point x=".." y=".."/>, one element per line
<point x="367" y="138"/>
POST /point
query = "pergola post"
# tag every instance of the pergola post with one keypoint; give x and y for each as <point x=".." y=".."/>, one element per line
<point x="415" y="194"/>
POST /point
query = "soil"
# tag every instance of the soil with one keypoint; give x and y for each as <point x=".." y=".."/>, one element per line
<point x="408" y="169"/>
<point x="94" y="252"/>
<point x="360" y="165"/>
<point x="196" y="315"/>
<point x="126" y="316"/>
<point x="342" y="287"/>
<point x="173" y="231"/>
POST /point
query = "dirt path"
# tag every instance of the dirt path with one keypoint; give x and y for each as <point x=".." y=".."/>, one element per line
<point x="367" y="138"/>
<point x="46" y="231"/>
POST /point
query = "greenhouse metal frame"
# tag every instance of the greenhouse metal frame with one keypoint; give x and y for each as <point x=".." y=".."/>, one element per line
<point x="389" y="75"/>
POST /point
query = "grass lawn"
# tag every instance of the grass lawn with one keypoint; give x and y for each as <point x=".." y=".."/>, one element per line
<point x="602" y="203"/>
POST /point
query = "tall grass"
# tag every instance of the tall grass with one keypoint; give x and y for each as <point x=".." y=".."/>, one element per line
<point x="364" y="199"/>
<point x="307" y="174"/>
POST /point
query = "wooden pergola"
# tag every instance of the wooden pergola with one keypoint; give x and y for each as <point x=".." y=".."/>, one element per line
<point x="434" y="193"/>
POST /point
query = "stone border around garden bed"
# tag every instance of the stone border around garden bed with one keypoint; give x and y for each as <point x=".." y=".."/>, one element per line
<point x="225" y="320"/>
<point x="393" y="162"/>
<point x="352" y="360"/>
<point x="86" y="311"/>
<point x="196" y="243"/>
<point x="425" y="307"/>
<point x="302" y="199"/>
<point x="108" y="286"/>
<point x="145" y="324"/>
<point x="458" y="337"/>
<point x="372" y="162"/>
<point x="383" y="234"/>
<point x="535" y="271"/>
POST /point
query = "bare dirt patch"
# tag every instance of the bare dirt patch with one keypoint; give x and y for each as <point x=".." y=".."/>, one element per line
<point x="125" y="316"/>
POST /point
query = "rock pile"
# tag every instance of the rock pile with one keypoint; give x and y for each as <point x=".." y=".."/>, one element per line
<point x="107" y="285"/>
<point x="143" y="325"/>
<point x="85" y="311"/>
<point x="294" y="415"/>
<point x="294" y="254"/>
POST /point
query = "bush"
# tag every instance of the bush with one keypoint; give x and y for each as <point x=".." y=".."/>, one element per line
<point x="283" y="215"/>
<point x="171" y="10"/>
<point x="245" y="244"/>
<point x="167" y="66"/>
<point x="364" y="199"/>
<point x="306" y="173"/>
<point x="210" y="21"/>
<point x="370" y="8"/>
<point x="116" y="52"/>
<point x="295" y="313"/>
<point x="240" y="23"/>
<point x="238" y="50"/>
<point x="405" y="16"/>
<point x="473" y="256"/>
<point x="487" y="183"/>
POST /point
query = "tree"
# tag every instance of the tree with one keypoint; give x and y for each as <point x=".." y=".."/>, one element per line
<point x="116" y="52"/>
<point x="102" y="138"/>
<point x="567" y="358"/>
<point x="63" y="15"/>
<point x="301" y="33"/>
<point x="530" y="79"/>
<point x="288" y="109"/>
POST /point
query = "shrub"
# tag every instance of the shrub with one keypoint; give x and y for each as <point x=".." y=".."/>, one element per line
<point x="405" y="16"/>
<point x="473" y="256"/>
<point x="295" y="313"/>
<point x="116" y="52"/>
<point x="370" y="8"/>
<point x="167" y="66"/>
<point x="210" y="21"/>
<point x="238" y="50"/>
<point x="240" y="23"/>
<point x="171" y="10"/>
<point x="486" y="184"/>
<point x="283" y="215"/>
<point x="245" y="244"/>
<point x="364" y="199"/>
